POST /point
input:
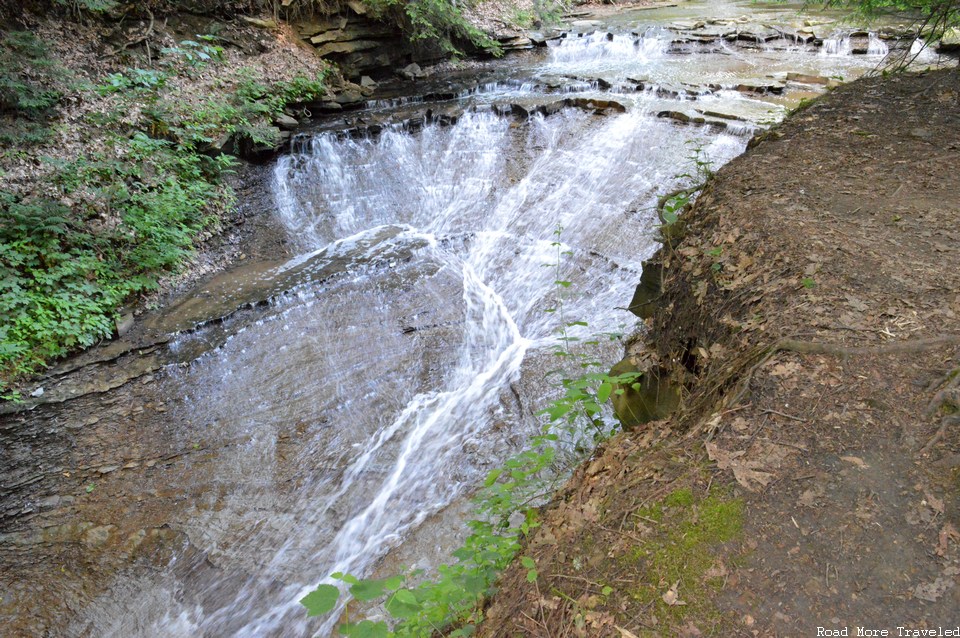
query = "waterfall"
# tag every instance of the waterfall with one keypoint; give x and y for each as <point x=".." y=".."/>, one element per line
<point x="876" y="46"/>
<point x="600" y="48"/>
<point x="836" y="45"/>
<point x="370" y="394"/>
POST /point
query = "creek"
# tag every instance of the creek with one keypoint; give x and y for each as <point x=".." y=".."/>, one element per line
<point x="346" y="400"/>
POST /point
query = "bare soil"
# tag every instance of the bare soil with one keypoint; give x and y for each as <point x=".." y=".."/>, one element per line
<point x="813" y="311"/>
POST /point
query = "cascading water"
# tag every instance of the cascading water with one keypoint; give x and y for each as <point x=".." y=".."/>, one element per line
<point x="446" y="181"/>
<point x="450" y="227"/>
<point x="610" y="48"/>
<point x="405" y="354"/>
<point x="837" y="45"/>
<point x="841" y="44"/>
<point x="876" y="46"/>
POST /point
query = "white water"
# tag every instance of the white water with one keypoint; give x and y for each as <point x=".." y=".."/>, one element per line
<point x="483" y="216"/>
<point x="361" y="405"/>
<point x="840" y="45"/>
<point x="582" y="176"/>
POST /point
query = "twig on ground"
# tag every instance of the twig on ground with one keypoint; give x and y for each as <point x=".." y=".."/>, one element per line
<point x="784" y="415"/>
<point x="138" y="40"/>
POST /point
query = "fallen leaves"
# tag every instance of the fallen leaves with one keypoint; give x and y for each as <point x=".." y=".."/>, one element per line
<point x="932" y="591"/>
<point x="947" y="533"/>
<point x="747" y="472"/>
<point x="671" y="597"/>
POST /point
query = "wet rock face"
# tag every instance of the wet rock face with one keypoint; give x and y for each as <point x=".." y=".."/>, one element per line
<point x="651" y="397"/>
<point x="648" y="290"/>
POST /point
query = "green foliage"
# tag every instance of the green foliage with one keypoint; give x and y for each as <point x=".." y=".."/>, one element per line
<point x="549" y="11"/>
<point x="671" y="209"/>
<point x="937" y="16"/>
<point x="671" y="206"/>
<point x="26" y="74"/>
<point x="87" y="6"/>
<point x="521" y="18"/>
<point x="61" y="283"/>
<point x="700" y="163"/>
<point x="910" y="8"/>
<point x="193" y="55"/>
<point x="136" y="207"/>
<point x="321" y="600"/>
<point x="27" y="93"/>
<point x="435" y="21"/>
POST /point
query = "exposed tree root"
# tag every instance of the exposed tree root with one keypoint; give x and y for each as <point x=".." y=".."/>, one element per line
<point x="949" y="386"/>
<point x="762" y="354"/>
<point x="944" y="424"/>
<point x="948" y="394"/>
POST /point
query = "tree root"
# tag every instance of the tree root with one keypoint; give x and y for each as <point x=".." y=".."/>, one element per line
<point x="944" y="424"/>
<point x="949" y="393"/>
<point x="815" y="347"/>
<point x="949" y="386"/>
<point x="144" y="38"/>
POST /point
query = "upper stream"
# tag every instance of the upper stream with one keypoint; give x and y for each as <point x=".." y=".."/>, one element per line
<point x="402" y="353"/>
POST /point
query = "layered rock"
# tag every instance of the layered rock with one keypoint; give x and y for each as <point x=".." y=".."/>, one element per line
<point x="359" y="43"/>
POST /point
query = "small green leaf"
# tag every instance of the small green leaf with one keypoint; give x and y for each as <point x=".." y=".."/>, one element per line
<point x="492" y="477"/>
<point x="527" y="562"/>
<point x="402" y="604"/>
<point x="366" y="629"/>
<point x="603" y="392"/>
<point x="532" y="575"/>
<point x="321" y="600"/>
<point x="367" y="589"/>
<point x="393" y="582"/>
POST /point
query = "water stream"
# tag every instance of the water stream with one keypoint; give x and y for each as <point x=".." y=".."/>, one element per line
<point x="368" y="398"/>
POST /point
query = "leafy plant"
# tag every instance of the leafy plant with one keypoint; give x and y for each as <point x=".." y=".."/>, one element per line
<point x="549" y="11"/>
<point x="193" y="55"/>
<point x="136" y="207"/>
<point x="89" y="6"/>
<point x="438" y="22"/>
<point x="28" y="77"/>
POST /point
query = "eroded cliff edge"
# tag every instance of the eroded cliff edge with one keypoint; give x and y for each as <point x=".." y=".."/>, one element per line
<point x="812" y="311"/>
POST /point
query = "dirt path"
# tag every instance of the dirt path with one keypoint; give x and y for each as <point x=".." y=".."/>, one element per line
<point x="801" y="487"/>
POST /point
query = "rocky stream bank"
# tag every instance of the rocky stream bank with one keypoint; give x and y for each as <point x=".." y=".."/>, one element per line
<point x="828" y="498"/>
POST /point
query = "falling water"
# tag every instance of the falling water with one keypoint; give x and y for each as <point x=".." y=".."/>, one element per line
<point x="443" y="183"/>
<point x="841" y="44"/>
<point x="837" y="45"/>
<point x="876" y="46"/>
<point x="412" y="359"/>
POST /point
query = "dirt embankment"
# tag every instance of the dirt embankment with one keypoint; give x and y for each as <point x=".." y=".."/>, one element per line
<point x="812" y="478"/>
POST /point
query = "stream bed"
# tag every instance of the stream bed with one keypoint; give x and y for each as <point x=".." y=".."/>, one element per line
<point x="332" y="410"/>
